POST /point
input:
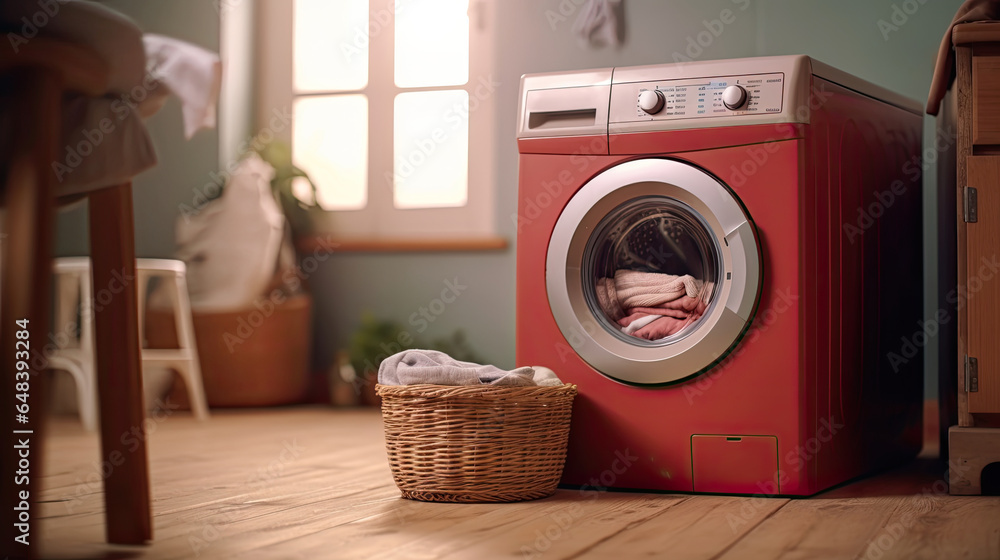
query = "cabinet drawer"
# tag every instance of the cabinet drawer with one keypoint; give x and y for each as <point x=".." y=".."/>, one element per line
<point x="986" y="100"/>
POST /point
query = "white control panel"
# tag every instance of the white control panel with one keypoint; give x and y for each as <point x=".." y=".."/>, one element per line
<point x="692" y="98"/>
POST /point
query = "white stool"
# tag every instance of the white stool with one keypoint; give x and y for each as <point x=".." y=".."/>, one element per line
<point x="72" y="279"/>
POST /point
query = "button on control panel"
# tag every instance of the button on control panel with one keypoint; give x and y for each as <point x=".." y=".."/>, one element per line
<point x="701" y="97"/>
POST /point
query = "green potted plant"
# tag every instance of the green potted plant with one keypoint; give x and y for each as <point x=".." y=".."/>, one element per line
<point x="279" y="155"/>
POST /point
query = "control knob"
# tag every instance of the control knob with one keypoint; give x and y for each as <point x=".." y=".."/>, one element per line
<point x="734" y="97"/>
<point x="651" y="101"/>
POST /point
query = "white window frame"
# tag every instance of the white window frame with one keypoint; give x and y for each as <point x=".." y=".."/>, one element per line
<point x="380" y="219"/>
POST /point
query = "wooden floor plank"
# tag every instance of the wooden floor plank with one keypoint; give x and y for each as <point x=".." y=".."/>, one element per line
<point x="701" y="527"/>
<point x="583" y="524"/>
<point x="938" y="526"/>
<point x="558" y="526"/>
<point x="222" y="489"/>
<point x="816" y="528"/>
<point x="258" y="470"/>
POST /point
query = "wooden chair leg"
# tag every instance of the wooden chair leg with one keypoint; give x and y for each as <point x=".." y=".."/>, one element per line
<point x="119" y="369"/>
<point x="26" y="246"/>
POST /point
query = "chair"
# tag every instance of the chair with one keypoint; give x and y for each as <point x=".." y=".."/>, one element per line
<point x="34" y="79"/>
<point x="74" y="298"/>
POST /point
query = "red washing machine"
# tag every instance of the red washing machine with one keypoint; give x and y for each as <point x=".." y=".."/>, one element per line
<point x="725" y="257"/>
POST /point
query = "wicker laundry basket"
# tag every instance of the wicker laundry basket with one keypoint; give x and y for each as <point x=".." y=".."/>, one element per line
<point x="476" y="443"/>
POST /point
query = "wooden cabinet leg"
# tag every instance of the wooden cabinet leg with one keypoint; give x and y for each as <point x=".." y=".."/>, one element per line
<point x="119" y="369"/>
<point x="971" y="450"/>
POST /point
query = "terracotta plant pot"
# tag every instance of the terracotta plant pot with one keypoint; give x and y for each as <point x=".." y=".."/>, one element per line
<point x="254" y="357"/>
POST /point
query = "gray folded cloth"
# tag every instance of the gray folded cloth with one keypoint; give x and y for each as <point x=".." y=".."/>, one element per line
<point x="545" y="377"/>
<point x="414" y="367"/>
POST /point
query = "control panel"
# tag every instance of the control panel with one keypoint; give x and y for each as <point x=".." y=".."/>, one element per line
<point x="752" y="94"/>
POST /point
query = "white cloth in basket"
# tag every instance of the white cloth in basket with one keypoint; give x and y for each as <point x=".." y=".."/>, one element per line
<point x="415" y="367"/>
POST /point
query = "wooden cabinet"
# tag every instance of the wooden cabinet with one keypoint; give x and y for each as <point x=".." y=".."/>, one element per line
<point x="982" y="280"/>
<point x="975" y="441"/>
<point x="985" y="100"/>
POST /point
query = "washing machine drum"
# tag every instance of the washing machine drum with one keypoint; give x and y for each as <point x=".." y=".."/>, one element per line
<point x="653" y="271"/>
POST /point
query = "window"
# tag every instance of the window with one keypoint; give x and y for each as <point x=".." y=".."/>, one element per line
<point x="392" y="103"/>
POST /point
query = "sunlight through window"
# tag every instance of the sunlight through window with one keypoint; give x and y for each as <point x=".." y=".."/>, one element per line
<point x="432" y="43"/>
<point x="431" y="149"/>
<point x="349" y="54"/>
<point x="330" y="45"/>
<point x="330" y="143"/>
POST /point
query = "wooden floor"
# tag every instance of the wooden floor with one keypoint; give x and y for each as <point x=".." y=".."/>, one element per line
<point x="314" y="483"/>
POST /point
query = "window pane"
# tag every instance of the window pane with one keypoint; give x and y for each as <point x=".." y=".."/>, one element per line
<point x="431" y="149"/>
<point x="432" y="43"/>
<point x="330" y="143"/>
<point x="330" y="45"/>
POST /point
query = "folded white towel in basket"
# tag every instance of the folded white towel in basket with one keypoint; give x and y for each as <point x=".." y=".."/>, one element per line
<point x="414" y="367"/>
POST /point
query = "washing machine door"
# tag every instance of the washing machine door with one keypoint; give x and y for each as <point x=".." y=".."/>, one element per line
<point x="653" y="271"/>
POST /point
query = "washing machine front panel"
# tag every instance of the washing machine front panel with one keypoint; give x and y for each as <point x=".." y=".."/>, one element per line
<point x="624" y="234"/>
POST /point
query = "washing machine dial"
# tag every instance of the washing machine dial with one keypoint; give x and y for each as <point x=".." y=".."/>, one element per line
<point x="651" y="101"/>
<point x="734" y="97"/>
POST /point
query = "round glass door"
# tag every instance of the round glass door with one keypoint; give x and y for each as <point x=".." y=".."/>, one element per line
<point x="650" y="269"/>
<point x="653" y="271"/>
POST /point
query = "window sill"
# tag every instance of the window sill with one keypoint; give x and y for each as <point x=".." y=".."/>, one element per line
<point x="317" y="242"/>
